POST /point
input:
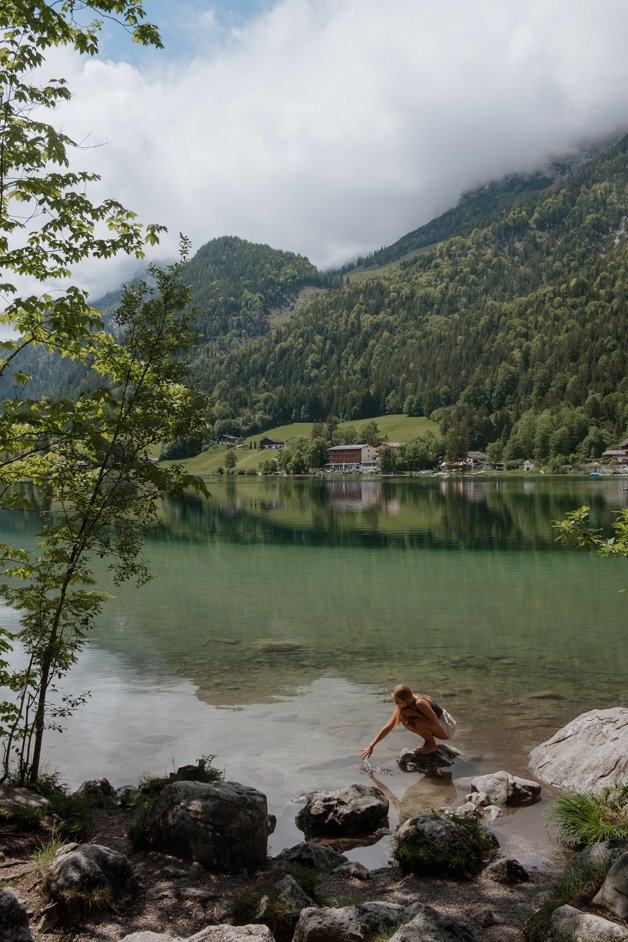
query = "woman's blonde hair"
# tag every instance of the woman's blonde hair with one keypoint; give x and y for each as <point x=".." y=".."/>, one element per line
<point x="403" y="692"/>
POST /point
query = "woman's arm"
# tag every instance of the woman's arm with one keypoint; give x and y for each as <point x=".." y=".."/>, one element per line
<point x="365" y="753"/>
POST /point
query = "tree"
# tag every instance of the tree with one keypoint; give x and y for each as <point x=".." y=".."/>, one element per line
<point x="231" y="460"/>
<point x="576" y="530"/>
<point x="387" y="460"/>
<point x="101" y="491"/>
<point x="47" y="222"/>
<point x="87" y="460"/>
<point x="370" y="434"/>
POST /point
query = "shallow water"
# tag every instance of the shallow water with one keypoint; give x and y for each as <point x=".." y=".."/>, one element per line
<point x="281" y="613"/>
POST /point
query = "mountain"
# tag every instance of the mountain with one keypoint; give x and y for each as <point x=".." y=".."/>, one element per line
<point x="239" y="290"/>
<point x="513" y="331"/>
<point x="504" y="319"/>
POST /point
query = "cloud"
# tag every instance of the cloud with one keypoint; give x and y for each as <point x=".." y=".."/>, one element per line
<point x="332" y="127"/>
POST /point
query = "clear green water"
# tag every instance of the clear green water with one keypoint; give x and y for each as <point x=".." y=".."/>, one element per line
<point x="282" y="612"/>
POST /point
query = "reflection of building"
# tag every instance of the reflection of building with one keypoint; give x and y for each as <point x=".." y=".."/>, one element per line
<point x="353" y="458"/>
<point x="354" y="493"/>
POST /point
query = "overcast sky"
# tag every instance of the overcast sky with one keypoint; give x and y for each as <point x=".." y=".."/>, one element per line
<point x="332" y="127"/>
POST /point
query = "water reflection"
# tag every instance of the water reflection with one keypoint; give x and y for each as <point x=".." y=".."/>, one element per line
<point x="354" y="511"/>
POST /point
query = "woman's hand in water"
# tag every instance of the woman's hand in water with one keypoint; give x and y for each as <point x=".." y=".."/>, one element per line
<point x="367" y="752"/>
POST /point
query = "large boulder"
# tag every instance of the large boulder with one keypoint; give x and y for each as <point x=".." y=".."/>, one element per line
<point x="435" y="845"/>
<point x="351" y="923"/>
<point x="587" y="754"/>
<point x="569" y="923"/>
<point x="13" y="919"/>
<point x="502" y="788"/>
<point x="79" y="869"/>
<point x="357" y="809"/>
<point x="222" y="825"/>
<point x="613" y="895"/>
<point x="316" y="856"/>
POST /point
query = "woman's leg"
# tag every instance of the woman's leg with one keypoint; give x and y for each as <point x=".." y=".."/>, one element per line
<point x="429" y="731"/>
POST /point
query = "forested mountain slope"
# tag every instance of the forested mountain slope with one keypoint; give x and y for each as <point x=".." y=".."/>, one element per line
<point x="236" y="288"/>
<point x="515" y="333"/>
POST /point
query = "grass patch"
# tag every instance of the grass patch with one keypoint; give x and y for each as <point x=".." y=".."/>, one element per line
<point x="574" y="888"/>
<point x="44" y="857"/>
<point x="69" y="815"/>
<point x="586" y="818"/>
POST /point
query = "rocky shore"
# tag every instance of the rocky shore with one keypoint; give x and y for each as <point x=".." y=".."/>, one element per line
<point x="186" y="859"/>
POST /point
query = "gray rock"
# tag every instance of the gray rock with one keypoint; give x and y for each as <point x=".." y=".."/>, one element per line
<point x="410" y="761"/>
<point x="13" y="919"/>
<point x="222" y="933"/>
<point x="350" y="923"/>
<point x="599" y="855"/>
<point x="150" y="937"/>
<point x="587" y="754"/>
<point x="486" y="918"/>
<point x="507" y="870"/>
<point x="435" y="845"/>
<point x="431" y="926"/>
<point x="292" y="895"/>
<point x="79" y="868"/>
<point x="502" y="788"/>
<point x="357" y="809"/>
<point x="23" y="799"/>
<point x="569" y="923"/>
<point x="316" y="856"/>
<point x="225" y="933"/>
<point x="99" y="793"/>
<point x="353" y="871"/>
<point x="614" y="893"/>
<point x="222" y="825"/>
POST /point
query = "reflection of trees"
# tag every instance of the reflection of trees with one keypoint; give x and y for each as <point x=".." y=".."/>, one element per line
<point x="417" y="513"/>
<point x="441" y="513"/>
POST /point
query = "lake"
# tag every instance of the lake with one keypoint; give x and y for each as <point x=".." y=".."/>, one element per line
<point x="282" y="612"/>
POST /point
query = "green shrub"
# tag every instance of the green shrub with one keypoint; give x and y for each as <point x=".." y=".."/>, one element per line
<point x="585" y="818"/>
